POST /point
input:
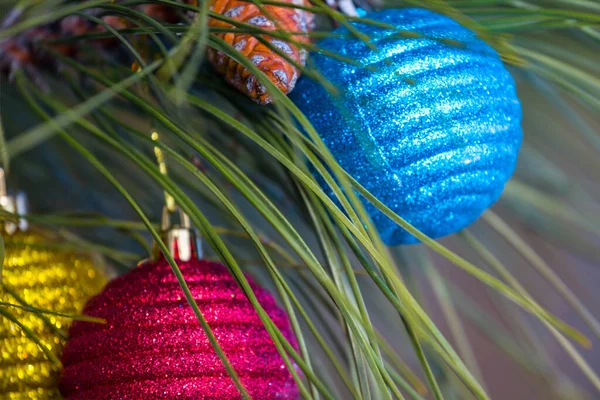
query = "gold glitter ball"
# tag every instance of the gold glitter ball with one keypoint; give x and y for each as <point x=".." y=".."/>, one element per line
<point x="48" y="278"/>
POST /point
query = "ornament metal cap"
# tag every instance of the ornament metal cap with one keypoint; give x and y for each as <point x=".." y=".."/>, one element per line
<point x="180" y="238"/>
<point x="12" y="203"/>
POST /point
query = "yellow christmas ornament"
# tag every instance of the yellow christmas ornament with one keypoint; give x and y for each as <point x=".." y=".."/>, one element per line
<point x="35" y="275"/>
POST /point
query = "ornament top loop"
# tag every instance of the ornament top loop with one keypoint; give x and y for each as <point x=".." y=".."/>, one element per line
<point x="165" y="222"/>
<point x="180" y="238"/>
<point x="14" y="204"/>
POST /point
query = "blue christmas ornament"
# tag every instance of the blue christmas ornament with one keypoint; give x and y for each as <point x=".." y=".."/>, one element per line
<point x="429" y="128"/>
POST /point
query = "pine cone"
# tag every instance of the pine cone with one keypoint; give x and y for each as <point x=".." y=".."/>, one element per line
<point x="281" y="72"/>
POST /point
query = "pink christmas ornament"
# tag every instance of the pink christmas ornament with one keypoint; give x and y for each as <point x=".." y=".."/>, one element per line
<point x="153" y="347"/>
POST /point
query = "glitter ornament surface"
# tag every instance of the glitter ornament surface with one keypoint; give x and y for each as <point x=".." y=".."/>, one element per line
<point x="51" y="279"/>
<point x="430" y="129"/>
<point x="154" y="348"/>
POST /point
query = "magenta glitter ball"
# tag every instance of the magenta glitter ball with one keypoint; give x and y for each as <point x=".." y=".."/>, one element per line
<point x="153" y="347"/>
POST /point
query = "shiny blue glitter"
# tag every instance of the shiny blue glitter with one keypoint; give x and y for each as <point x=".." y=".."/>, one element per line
<point x="431" y="129"/>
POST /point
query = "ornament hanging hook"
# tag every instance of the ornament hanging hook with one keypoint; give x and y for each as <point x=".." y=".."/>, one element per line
<point x="162" y="166"/>
<point x="14" y="204"/>
<point x="181" y="240"/>
<point x="2" y="183"/>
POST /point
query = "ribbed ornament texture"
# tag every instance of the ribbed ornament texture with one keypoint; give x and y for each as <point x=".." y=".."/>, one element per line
<point x="52" y="279"/>
<point x="153" y="347"/>
<point x="272" y="17"/>
<point x="429" y="128"/>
